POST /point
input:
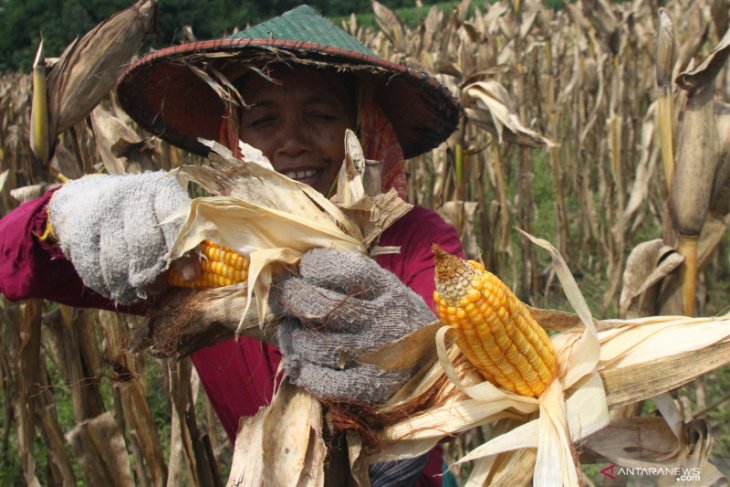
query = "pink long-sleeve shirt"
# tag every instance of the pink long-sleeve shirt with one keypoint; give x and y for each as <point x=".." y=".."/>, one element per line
<point x="238" y="376"/>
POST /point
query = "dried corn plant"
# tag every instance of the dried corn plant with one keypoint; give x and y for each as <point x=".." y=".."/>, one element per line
<point x="585" y="79"/>
<point x="568" y="117"/>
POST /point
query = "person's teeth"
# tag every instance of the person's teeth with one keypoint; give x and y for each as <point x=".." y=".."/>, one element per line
<point x="300" y="175"/>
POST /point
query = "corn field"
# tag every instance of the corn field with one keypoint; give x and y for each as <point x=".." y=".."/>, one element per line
<point x="603" y="128"/>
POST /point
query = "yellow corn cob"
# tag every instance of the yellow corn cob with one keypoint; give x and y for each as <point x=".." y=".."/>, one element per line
<point x="222" y="266"/>
<point x="494" y="329"/>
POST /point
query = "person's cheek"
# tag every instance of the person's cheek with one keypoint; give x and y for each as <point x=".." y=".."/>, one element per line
<point x="261" y="143"/>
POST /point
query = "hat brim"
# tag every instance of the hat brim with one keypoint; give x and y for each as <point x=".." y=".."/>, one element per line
<point x="162" y="93"/>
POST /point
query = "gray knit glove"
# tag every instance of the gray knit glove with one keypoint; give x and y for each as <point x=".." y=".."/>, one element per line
<point x="340" y="303"/>
<point x="110" y="228"/>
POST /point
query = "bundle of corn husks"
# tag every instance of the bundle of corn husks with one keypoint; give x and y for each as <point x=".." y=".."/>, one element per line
<point x="601" y="366"/>
<point x="544" y="394"/>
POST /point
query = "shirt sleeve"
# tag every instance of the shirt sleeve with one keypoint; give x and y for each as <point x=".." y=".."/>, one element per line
<point x="33" y="268"/>
<point x="415" y="233"/>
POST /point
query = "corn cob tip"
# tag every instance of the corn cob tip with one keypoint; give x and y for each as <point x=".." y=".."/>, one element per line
<point x="451" y="274"/>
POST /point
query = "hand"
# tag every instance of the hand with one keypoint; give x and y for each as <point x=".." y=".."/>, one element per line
<point x="115" y="229"/>
<point x="343" y="302"/>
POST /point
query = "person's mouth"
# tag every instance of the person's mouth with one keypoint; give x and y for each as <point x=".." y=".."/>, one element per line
<point x="306" y="176"/>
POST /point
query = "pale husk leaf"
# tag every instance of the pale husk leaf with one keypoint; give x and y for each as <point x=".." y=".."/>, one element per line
<point x="583" y="355"/>
<point x="350" y="178"/>
<point x="510" y="469"/>
<point x="247" y="466"/>
<point x="632" y="344"/>
<point x="258" y="183"/>
<point x="282" y="444"/>
<point x="293" y="425"/>
<point x="630" y="384"/>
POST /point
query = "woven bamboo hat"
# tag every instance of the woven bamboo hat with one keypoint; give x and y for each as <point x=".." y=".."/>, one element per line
<point x="172" y="92"/>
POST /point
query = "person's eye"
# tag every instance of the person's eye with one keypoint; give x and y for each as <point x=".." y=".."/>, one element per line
<point x="323" y="116"/>
<point x="260" y="121"/>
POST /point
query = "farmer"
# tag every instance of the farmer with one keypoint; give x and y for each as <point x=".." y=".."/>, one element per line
<point x="303" y="81"/>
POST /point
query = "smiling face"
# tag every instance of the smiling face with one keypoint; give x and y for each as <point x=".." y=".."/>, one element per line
<point x="299" y="123"/>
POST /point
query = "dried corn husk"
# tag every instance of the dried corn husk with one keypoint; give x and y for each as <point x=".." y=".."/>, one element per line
<point x="85" y="73"/>
<point x="274" y="219"/>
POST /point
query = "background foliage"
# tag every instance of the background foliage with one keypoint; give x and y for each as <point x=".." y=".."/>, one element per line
<point x="22" y="22"/>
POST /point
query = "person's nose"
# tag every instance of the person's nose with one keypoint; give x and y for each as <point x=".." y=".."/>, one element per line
<point x="292" y="138"/>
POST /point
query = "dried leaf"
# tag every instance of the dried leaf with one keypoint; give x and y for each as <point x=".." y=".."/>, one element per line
<point x="110" y="133"/>
<point x="488" y="105"/>
<point x="697" y="151"/>
<point x="65" y="163"/>
<point x="403" y="353"/>
<point x="138" y="418"/>
<point x="646" y="267"/>
<point x="263" y="186"/>
<point x="247" y="466"/>
<point x="642" y="380"/>
<point x="282" y="444"/>
<point x="665" y="49"/>
<point x="644" y="175"/>
<point x="350" y="177"/>
<point x="390" y="24"/>
<point x="100" y="449"/>
<point x="713" y="233"/>
<point x="462" y="215"/>
<point x="515" y="468"/>
<point x="89" y="67"/>
<point x="219" y="83"/>
<point x="639" y="441"/>
<point x="294" y="450"/>
<point x="27" y="358"/>
<point x="707" y="70"/>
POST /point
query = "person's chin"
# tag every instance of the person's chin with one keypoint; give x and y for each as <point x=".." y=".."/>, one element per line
<point x="321" y="186"/>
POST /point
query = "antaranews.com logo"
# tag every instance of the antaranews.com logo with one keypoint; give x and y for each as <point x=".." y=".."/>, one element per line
<point x="691" y="474"/>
